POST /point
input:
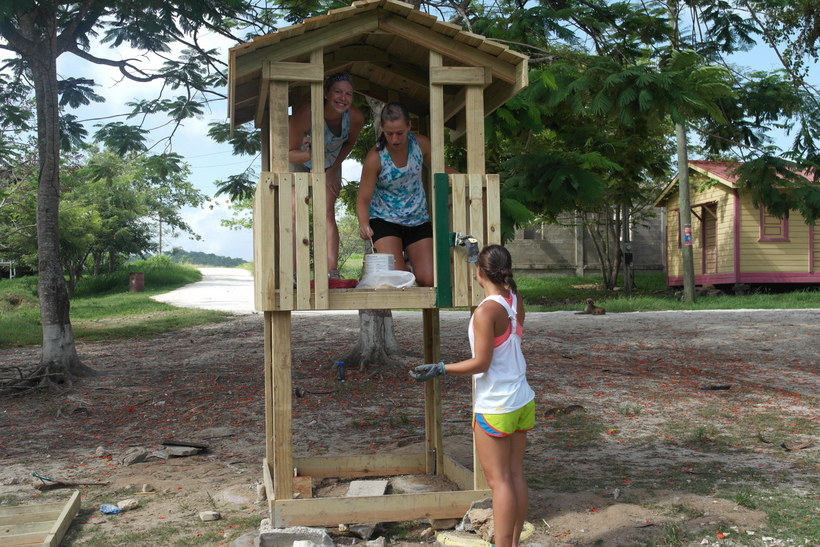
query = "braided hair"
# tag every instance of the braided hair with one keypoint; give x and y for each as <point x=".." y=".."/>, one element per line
<point x="496" y="263"/>
<point x="390" y="113"/>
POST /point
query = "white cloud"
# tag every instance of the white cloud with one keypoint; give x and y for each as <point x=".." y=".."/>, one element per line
<point x="216" y="239"/>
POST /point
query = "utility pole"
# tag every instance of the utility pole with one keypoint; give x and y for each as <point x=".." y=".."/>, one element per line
<point x="626" y="247"/>
<point x="685" y="217"/>
<point x="687" y="259"/>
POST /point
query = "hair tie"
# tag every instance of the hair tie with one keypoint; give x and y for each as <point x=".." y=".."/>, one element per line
<point x="340" y="77"/>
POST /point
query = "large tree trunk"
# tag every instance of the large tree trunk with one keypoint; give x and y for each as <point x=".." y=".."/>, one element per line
<point x="59" y="363"/>
<point x="377" y="341"/>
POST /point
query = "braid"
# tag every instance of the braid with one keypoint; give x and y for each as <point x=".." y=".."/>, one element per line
<point x="507" y="276"/>
<point x="496" y="263"/>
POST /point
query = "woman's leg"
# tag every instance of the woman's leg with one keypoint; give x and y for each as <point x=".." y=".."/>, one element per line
<point x="420" y="254"/>
<point x="522" y="494"/>
<point x="391" y="245"/>
<point x="495" y="455"/>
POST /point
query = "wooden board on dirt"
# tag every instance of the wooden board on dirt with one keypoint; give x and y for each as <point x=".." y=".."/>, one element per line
<point x="37" y="524"/>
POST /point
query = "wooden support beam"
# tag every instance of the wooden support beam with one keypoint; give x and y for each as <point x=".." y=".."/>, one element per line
<point x="355" y="54"/>
<point x="492" y="201"/>
<point x="306" y="43"/>
<point x="265" y="242"/>
<point x="302" y="182"/>
<point x="475" y="130"/>
<point x="380" y="299"/>
<point x="317" y="158"/>
<point x="461" y="271"/>
<point x="286" y="235"/>
<point x="388" y="508"/>
<point x="38" y="524"/>
<point x="292" y="72"/>
<point x="457" y="473"/>
<point x="270" y="446"/>
<point x="437" y="42"/>
<point x="432" y="393"/>
<point x="360" y="466"/>
<point x="437" y="164"/>
<point x="282" y="404"/>
<point x="476" y="227"/>
<point x="460" y="75"/>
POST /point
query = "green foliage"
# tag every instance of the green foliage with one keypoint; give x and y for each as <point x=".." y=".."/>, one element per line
<point x="159" y="273"/>
<point x="180" y="256"/>
<point x="105" y="297"/>
<point x="782" y="186"/>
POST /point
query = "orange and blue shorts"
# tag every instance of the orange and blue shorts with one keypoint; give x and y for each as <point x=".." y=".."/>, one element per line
<point x="503" y="425"/>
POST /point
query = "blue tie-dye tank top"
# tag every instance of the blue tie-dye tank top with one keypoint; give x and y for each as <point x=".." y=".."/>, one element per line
<point x="399" y="195"/>
<point x="333" y="142"/>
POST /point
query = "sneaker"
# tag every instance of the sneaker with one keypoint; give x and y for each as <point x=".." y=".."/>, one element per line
<point x="334" y="274"/>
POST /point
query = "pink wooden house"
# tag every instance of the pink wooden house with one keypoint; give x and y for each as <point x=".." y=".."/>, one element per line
<point x="733" y="241"/>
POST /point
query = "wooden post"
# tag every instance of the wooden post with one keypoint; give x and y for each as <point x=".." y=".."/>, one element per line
<point x="475" y="165"/>
<point x="432" y="394"/>
<point x="317" y="158"/>
<point x="432" y="340"/>
<point x="280" y="403"/>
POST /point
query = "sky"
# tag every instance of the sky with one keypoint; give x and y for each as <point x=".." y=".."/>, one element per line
<point x="209" y="161"/>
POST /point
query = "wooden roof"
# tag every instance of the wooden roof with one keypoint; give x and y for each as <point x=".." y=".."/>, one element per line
<point x="384" y="45"/>
<point x="721" y="171"/>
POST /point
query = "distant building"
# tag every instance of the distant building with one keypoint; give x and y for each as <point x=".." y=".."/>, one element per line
<point x="733" y="241"/>
<point x="567" y="249"/>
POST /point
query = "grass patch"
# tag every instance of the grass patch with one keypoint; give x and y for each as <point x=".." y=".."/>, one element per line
<point x="103" y="309"/>
<point x="543" y="294"/>
<point x="629" y="410"/>
<point x="557" y="477"/>
<point x="575" y="431"/>
<point x="673" y="536"/>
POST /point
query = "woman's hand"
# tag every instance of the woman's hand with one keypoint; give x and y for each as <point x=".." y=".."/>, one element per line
<point x="365" y="231"/>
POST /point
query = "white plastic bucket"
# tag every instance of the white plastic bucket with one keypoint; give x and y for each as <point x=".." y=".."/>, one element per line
<point x="378" y="262"/>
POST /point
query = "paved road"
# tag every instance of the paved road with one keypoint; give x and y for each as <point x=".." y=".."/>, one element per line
<point x="225" y="289"/>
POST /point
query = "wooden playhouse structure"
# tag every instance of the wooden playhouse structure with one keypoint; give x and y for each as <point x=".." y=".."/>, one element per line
<point x="733" y="241"/>
<point x="449" y="78"/>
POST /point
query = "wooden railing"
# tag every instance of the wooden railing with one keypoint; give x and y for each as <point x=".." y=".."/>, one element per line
<point x="286" y="250"/>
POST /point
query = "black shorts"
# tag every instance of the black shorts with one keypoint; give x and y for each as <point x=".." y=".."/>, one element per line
<point x="408" y="234"/>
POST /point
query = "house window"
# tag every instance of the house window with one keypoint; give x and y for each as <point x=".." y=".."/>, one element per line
<point x="773" y="228"/>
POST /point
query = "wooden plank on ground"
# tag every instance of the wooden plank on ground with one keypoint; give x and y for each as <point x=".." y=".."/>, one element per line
<point x="457" y="473"/>
<point x="38" y="524"/>
<point x="390" y="508"/>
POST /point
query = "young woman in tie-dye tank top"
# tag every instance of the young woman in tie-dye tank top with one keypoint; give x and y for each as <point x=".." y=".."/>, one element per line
<point x="392" y="205"/>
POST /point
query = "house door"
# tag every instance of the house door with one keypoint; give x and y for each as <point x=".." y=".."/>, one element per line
<point x="814" y="231"/>
<point x="709" y="220"/>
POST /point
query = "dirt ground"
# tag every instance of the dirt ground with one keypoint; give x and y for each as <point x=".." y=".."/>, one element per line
<point x="676" y="408"/>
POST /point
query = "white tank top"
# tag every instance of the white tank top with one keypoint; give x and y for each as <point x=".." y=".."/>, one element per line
<point x="503" y="388"/>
